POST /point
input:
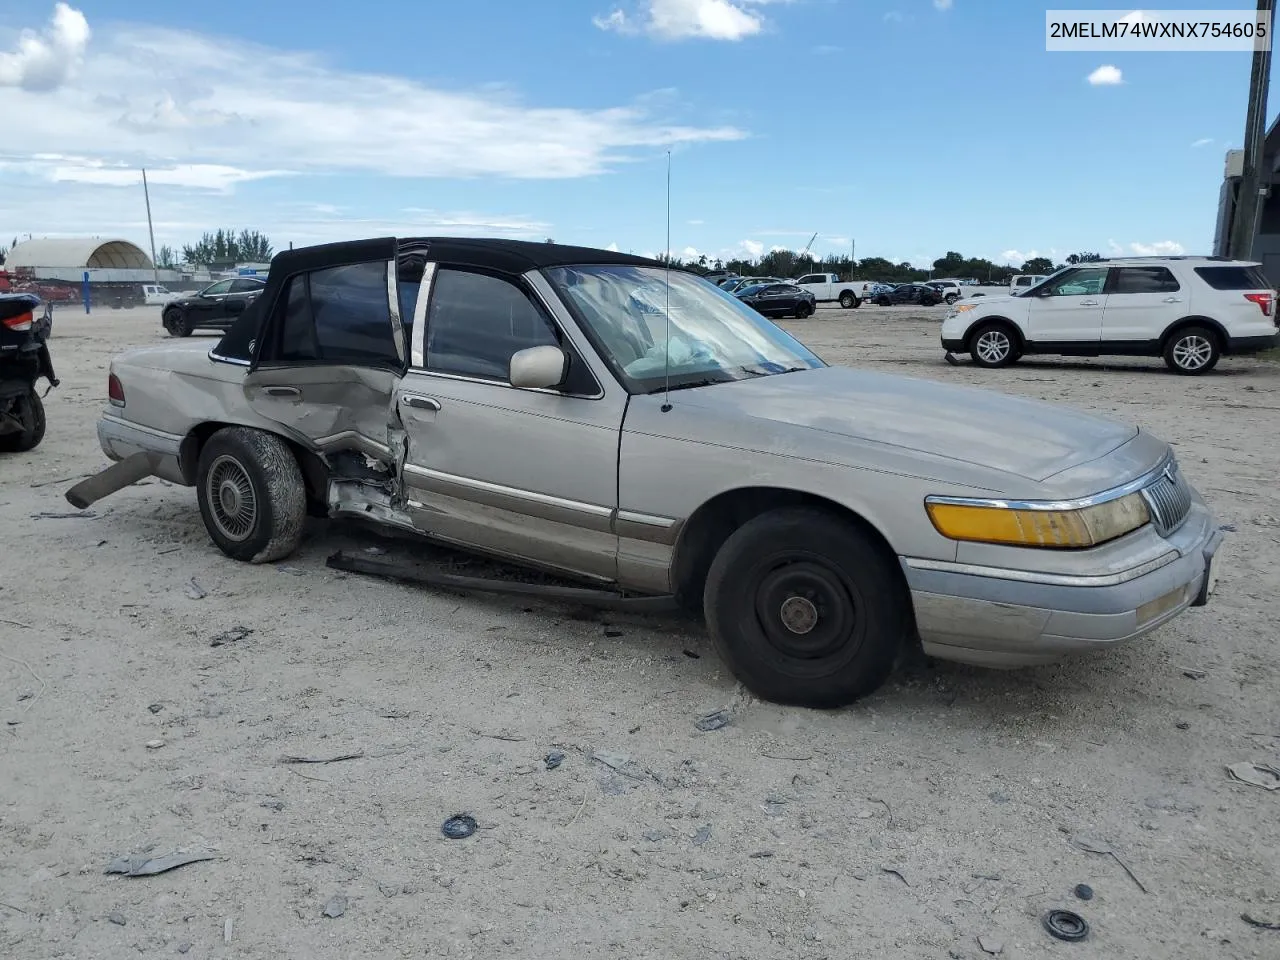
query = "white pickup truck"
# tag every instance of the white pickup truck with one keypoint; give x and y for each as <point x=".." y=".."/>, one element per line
<point x="827" y="287"/>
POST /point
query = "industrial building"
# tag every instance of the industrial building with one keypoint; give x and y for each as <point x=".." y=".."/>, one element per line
<point x="1265" y="246"/>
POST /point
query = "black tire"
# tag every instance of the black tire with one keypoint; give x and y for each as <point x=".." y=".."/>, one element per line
<point x="251" y="494"/>
<point x="177" y="324"/>
<point x="994" y="345"/>
<point x="29" y="410"/>
<point x="1192" y="351"/>
<point x="849" y="300"/>
<point x="840" y="642"/>
<point x="804" y="310"/>
<point x="951" y="298"/>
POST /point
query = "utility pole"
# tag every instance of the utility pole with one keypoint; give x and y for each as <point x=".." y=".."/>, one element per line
<point x="155" y="267"/>
<point x="1253" y="188"/>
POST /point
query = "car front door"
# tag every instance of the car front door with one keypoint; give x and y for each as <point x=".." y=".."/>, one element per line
<point x="207" y="305"/>
<point x="530" y="474"/>
<point x="238" y="297"/>
<point x="330" y="356"/>
<point x="1068" y="310"/>
<point x="1142" y="302"/>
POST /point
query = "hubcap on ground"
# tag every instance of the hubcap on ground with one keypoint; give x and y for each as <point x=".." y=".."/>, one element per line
<point x="232" y="501"/>
<point x="993" y="346"/>
<point x="1192" y="353"/>
<point x="805" y="609"/>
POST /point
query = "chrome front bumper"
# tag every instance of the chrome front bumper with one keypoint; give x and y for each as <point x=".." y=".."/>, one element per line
<point x="119" y="439"/>
<point x="976" y="615"/>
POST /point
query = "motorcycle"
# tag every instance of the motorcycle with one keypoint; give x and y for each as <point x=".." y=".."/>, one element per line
<point x="24" y="359"/>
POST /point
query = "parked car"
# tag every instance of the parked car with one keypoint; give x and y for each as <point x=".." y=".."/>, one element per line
<point x="1189" y="310"/>
<point x="214" y="308"/>
<point x="1022" y="282"/>
<point x="828" y="287"/>
<point x="949" y="290"/>
<point x="778" y="300"/>
<point x="156" y="295"/>
<point x="874" y="290"/>
<point x="917" y="293"/>
<point x="725" y="281"/>
<point x="743" y="282"/>
<point x="509" y="397"/>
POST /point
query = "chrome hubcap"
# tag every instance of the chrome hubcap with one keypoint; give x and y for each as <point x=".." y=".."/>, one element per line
<point x="798" y="614"/>
<point x="1192" y="353"/>
<point x="993" y="346"/>
<point x="232" y="502"/>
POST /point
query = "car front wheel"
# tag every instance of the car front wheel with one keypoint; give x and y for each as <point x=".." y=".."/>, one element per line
<point x="806" y="608"/>
<point x="993" y="345"/>
<point x="804" y="309"/>
<point x="177" y="324"/>
<point x="251" y="494"/>
<point x="1192" y="351"/>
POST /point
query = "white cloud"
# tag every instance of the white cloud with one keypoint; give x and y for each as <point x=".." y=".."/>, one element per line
<point x="45" y="61"/>
<point x="613" y="246"/>
<point x="1019" y="257"/>
<point x="204" y="111"/>
<point x="688" y="19"/>
<point x="1202" y="142"/>
<point x="696" y="223"/>
<point x="943" y="4"/>
<point x="1106" y="76"/>
<point x="752" y="248"/>
<point x="1161" y="248"/>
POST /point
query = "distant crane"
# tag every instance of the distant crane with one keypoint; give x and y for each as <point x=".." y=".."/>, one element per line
<point x="805" y="252"/>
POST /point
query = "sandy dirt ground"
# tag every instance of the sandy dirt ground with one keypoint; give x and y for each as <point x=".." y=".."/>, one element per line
<point x="944" y="809"/>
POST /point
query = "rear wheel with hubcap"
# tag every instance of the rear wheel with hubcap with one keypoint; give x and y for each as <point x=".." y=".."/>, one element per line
<point x="1192" y="351"/>
<point x="849" y="301"/>
<point x="993" y="345"/>
<point x="806" y="608"/>
<point x="251" y="494"/>
<point x="804" y="309"/>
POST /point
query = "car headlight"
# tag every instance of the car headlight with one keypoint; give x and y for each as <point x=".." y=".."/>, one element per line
<point x="964" y="307"/>
<point x="1036" y="525"/>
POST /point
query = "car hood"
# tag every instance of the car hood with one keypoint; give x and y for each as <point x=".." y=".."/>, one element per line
<point x="1012" y="435"/>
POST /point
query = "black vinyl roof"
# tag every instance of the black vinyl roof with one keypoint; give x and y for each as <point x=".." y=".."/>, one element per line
<point x="502" y="256"/>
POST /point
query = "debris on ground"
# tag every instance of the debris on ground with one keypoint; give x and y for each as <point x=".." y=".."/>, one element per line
<point x="895" y="873"/>
<point x="1083" y="891"/>
<point x="117" y="918"/>
<point x="335" y="908"/>
<point x="338" y="759"/>
<point x="154" y="744"/>
<point x="276" y="805"/>
<point x="459" y="827"/>
<point x="1066" y="925"/>
<point x="1194" y="674"/>
<point x="703" y="835"/>
<point x="1260" y="924"/>
<point x="653" y="836"/>
<point x="990" y="945"/>
<point x="184" y="947"/>
<point x="195" y="591"/>
<point x="139" y="866"/>
<point x="553" y="759"/>
<point x="1255" y="775"/>
<point x="1093" y="845"/>
<point x="227" y="929"/>
<point x="713" y="721"/>
<point x="156" y="707"/>
<point x="691" y="655"/>
<point x="234" y="635"/>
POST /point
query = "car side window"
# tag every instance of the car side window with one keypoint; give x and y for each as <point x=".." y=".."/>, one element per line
<point x="338" y="315"/>
<point x="1078" y="283"/>
<point x="813" y="278"/>
<point x="217" y="289"/>
<point x="296" y="340"/>
<point x="1146" y="280"/>
<point x="245" y="286"/>
<point x="476" y="322"/>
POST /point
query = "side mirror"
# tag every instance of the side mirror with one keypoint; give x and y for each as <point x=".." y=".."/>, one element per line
<point x="538" y="368"/>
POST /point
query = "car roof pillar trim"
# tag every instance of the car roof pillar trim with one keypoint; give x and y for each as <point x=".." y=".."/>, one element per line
<point x="417" y="352"/>
<point x="393" y="309"/>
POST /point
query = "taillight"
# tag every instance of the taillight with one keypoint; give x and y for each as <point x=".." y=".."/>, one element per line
<point x="21" y="323"/>
<point x="1263" y="300"/>
<point x="115" y="390"/>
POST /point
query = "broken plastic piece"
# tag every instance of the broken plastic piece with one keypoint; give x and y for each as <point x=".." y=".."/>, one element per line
<point x="335" y="908"/>
<point x="459" y="827"/>
<point x="1066" y="925"/>
<point x="1084" y="891"/>
<point x="1255" y="774"/>
<point x="713" y="721"/>
<point x="554" y="758"/>
<point x="150" y="866"/>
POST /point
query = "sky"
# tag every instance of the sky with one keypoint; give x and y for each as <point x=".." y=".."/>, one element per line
<point x="906" y="127"/>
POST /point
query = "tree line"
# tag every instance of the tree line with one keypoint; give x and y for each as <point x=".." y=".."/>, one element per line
<point x="221" y="246"/>
<point x="789" y="264"/>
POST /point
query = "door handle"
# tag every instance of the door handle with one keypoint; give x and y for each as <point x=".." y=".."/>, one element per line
<point x="1088" y="303"/>
<point x="421" y="403"/>
<point x="292" y="392"/>
<point x="1172" y="299"/>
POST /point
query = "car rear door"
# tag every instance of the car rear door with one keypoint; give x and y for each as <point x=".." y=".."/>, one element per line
<point x="331" y="353"/>
<point x="1069" y="310"/>
<point x="1141" y="303"/>
<point x="530" y="474"/>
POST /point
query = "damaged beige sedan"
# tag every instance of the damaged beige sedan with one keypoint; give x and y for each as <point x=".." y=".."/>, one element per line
<point x="642" y="432"/>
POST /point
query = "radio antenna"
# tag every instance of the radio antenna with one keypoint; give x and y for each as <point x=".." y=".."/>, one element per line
<point x="666" y="362"/>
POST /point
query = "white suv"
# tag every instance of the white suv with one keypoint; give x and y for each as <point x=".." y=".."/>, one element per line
<point x="1189" y="310"/>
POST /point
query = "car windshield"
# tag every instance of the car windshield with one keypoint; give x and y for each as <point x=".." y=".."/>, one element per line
<point x="714" y="337"/>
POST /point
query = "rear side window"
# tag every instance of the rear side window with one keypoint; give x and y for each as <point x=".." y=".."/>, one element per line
<point x="1234" y="278"/>
<point x="246" y="286"/>
<point x="336" y="316"/>
<point x="1146" y="280"/>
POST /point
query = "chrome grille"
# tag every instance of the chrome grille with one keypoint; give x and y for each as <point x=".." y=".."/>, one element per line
<point x="1169" y="499"/>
